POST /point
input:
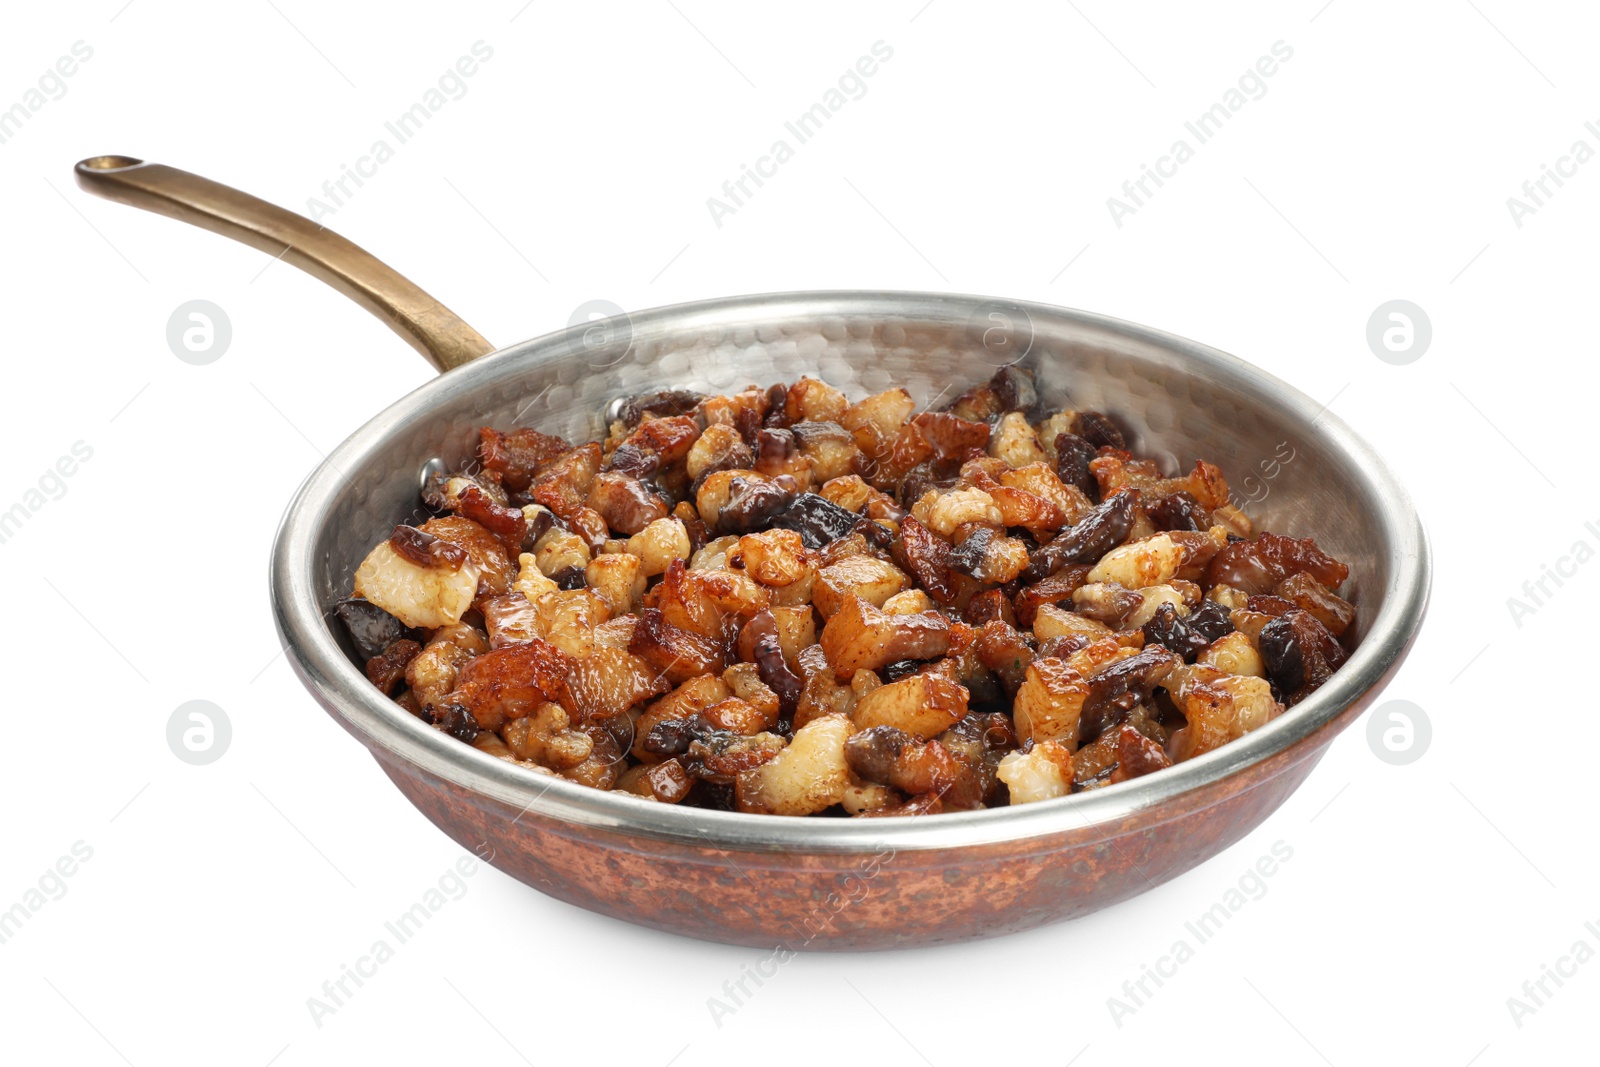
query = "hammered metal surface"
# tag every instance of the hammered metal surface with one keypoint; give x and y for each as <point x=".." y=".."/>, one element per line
<point x="879" y="898"/>
<point x="953" y="876"/>
<point x="563" y="387"/>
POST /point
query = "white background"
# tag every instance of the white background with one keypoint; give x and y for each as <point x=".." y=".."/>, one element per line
<point x="577" y="167"/>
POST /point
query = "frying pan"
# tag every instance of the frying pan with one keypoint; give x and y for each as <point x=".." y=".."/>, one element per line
<point x="818" y="883"/>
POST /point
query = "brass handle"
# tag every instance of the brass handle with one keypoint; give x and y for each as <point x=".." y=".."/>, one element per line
<point x="430" y="327"/>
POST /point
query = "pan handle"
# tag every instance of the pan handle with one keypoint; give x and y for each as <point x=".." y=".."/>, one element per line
<point x="430" y="327"/>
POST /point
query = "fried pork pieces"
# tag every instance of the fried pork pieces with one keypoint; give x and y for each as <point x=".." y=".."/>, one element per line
<point x="783" y="602"/>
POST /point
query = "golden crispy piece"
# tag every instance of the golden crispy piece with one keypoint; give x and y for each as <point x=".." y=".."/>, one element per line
<point x="624" y="503"/>
<point x="720" y="759"/>
<point x="724" y="410"/>
<point x="862" y="637"/>
<point x="778" y="454"/>
<point x="563" y="485"/>
<point x="798" y="593"/>
<point x="713" y="493"/>
<point x="1117" y="469"/>
<point x="895" y="758"/>
<point x="797" y="630"/>
<point x="1228" y="596"/>
<point x="903" y="453"/>
<point x="657" y="443"/>
<point x="604" y="766"/>
<point x="484" y="551"/>
<point x="490" y="743"/>
<point x="952" y="437"/>
<point x="530" y="581"/>
<point x="1091" y="761"/>
<point x="925" y="705"/>
<point x="1250" y="623"/>
<point x="772" y="557"/>
<point x="567" y="619"/>
<point x="1152" y="561"/>
<point x="617" y="577"/>
<point x="713" y="556"/>
<point x="508" y="683"/>
<point x="830" y="451"/>
<point x="516" y="456"/>
<point x="1205" y="483"/>
<point x="1193" y="596"/>
<point x="854" y="543"/>
<point x="1049" y="703"/>
<point x="878" y="417"/>
<point x="1330" y="609"/>
<point x="1233" y="521"/>
<point x="816" y="400"/>
<point x="852" y="493"/>
<point x="943" y="512"/>
<point x="1103" y="653"/>
<point x="432" y="673"/>
<point x="1015" y="442"/>
<point x="1042" y="773"/>
<point x="1152" y="598"/>
<point x="1234" y="654"/>
<point x="745" y="681"/>
<point x="1106" y="602"/>
<point x="387" y="669"/>
<point x="1001" y="649"/>
<point x="615" y="633"/>
<point x="1017" y="503"/>
<point x="1217" y="707"/>
<point x="705" y="601"/>
<point x="908" y="602"/>
<point x="984" y="552"/>
<point x="752" y="709"/>
<point x="1018" y="507"/>
<point x="867" y="577"/>
<point x="510" y="620"/>
<point x="805" y="778"/>
<point x="863" y="682"/>
<point x="558" y="552"/>
<point x="587" y="524"/>
<point x="689" y="699"/>
<point x="675" y="654"/>
<point x="635" y="781"/>
<point x="1199" y="547"/>
<point x="606" y="683"/>
<point x="669" y="782"/>
<point x="1136" y="754"/>
<point x="982" y="472"/>
<point x="658" y="544"/>
<point x="926" y="556"/>
<point x="720" y="448"/>
<point x="740" y="717"/>
<point x="1053" y="621"/>
<point x="861" y="797"/>
<point x="823" y="695"/>
<point x="1051" y="428"/>
<point x="1061" y="585"/>
<point x="544" y="736"/>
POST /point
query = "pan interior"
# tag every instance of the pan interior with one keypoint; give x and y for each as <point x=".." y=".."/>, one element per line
<point x="1294" y="468"/>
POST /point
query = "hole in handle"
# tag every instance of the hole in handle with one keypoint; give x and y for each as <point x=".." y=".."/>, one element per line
<point x="110" y="163"/>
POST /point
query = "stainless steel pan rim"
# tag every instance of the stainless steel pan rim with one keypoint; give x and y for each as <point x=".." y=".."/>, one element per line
<point x="343" y="688"/>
